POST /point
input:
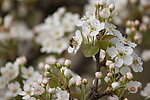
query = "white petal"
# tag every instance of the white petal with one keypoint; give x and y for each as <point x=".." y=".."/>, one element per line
<point x="128" y="50"/>
<point x="94" y="33"/>
<point x="118" y="62"/>
<point x="112" y="51"/>
<point x="22" y="93"/>
<point x="128" y="60"/>
<point x="78" y="34"/>
<point x="120" y="46"/>
<point x="86" y="28"/>
<point x="125" y="70"/>
<point x="136" y="68"/>
<point x="70" y="49"/>
<point x="100" y="26"/>
<point x="118" y="34"/>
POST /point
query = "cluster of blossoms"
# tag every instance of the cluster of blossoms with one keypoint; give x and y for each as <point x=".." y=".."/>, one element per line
<point x="13" y="34"/>
<point x="135" y="30"/>
<point x="141" y="6"/>
<point x="8" y="86"/>
<point x="57" y="82"/>
<point x="60" y="75"/>
<point x="54" y="33"/>
<point x="12" y="30"/>
<point x="98" y="35"/>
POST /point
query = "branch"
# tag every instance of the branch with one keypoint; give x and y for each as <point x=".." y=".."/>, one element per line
<point x="94" y="94"/>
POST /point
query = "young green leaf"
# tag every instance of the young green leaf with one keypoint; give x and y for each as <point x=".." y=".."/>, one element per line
<point x="107" y="37"/>
<point x="102" y="44"/>
<point x="89" y="49"/>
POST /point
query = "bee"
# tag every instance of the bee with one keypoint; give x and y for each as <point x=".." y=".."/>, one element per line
<point x="71" y="42"/>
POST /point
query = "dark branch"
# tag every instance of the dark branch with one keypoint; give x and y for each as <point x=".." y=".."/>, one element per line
<point x="94" y="94"/>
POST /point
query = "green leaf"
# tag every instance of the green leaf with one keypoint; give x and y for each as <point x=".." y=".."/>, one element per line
<point x="54" y="82"/>
<point x="102" y="44"/>
<point x="107" y="37"/>
<point x="89" y="50"/>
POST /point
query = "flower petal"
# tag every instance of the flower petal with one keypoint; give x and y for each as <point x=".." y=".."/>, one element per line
<point x="112" y="51"/>
<point x="118" y="62"/>
<point x="128" y="60"/>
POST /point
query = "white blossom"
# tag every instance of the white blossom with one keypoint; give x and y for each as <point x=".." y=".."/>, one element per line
<point x="38" y="89"/>
<point x="105" y="13"/>
<point x="93" y="27"/>
<point x="27" y="92"/>
<point x="115" y="85"/>
<point x="61" y="95"/>
<point x="14" y="89"/>
<point x="133" y="86"/>
<point x="121" y="53"/>
<point x="27" y="72"/>
<point x="76" y="42"/>
<point x="137" y="63"/>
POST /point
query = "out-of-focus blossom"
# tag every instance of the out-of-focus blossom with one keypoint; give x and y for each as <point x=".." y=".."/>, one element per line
<point x="146" y="55"/>
<point x="14" y="89"/>
<point x="146" y="91"/>
<point x="53" y="34"/>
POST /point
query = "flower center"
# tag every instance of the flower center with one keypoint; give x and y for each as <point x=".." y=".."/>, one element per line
<point x="133" y="89"/>
<point x="121" y="54"/>
<point x="93" y="28"/>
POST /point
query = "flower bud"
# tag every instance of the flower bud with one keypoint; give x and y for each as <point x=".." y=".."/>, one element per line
<point x="98" y="75"/>
<point x="129" y="23"/>
<point x="143" y="27"/>
<point x="129" y="75"/>
<point x="58" y="65"/>
<point x="78" y="81"/>
<point x="47" y="74"/>
<point x="47" y="67"/>
<point x="109" y="74"/>
<point x="128" y="31"/>
<point x="111" y="7"/>
<point x="72" y="82"/>
<point x="61" y="61"/>
<point x="115" y="85"/>
<point x="41" y="66"/>
<point x="67" y="63"/>
<point x="45" y="81"/>
<point x="133" y="29"/>
<point x="125" y="99"/>
<point x="122" y="79"/>
<point x="137" y="22"/>
<point x="68" y="73"/>
<point x="21" y="60"/>
<point x="107" y="79"/>
<point x="50" y="60"/>
<point x="112" y="66"/>
<point x="137" y="36"/>
<point x="108" y="62"/>
<point x="84" y="81"/>
<point x="52" y="90"/>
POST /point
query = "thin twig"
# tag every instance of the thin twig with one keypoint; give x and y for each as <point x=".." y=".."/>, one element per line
<point x="94" y="94"/>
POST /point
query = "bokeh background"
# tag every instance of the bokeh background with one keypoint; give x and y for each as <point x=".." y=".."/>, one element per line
<point x="33" y="12"/>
